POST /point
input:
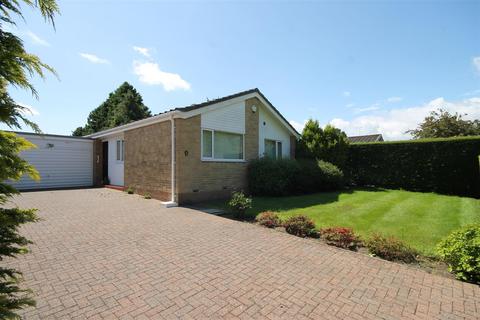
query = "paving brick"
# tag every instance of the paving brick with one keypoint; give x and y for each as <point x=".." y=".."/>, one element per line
<point x="103" y="254"/>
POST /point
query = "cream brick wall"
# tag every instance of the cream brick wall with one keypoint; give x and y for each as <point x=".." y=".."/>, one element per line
<point x="148" y="160"/>
<point x="201" y="180"/>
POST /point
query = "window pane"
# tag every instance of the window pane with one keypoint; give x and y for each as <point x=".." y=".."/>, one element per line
<point x="270" y="149"/>
<point x="207" y="144"/>
<point x="118" y="150"/>
<point x="228" y="145"/>
<point x="123" y="150"/>
<point x="279" y="150"/>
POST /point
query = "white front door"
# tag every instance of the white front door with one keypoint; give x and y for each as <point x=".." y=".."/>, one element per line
<point x="116" y="152"/>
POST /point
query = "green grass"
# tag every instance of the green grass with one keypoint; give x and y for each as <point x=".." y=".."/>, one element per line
<point x="419" y="219"/>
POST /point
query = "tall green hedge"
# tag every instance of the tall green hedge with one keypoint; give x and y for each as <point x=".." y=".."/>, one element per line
<point x="448" y="166"/>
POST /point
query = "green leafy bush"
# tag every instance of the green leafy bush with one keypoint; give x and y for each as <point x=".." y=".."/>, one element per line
<point x="130" y="190"/>
<point x="390" y="248"/>
<point x="268" y="219"/>
<point x="447" y="166"/>
<point x="147" y="196"/>
<point x="461" y="251"/>
<point x="301" y="226"/>
<point x="270" y="177"/>
<point x="341" y="237"/>
<point x="239" y="204"/>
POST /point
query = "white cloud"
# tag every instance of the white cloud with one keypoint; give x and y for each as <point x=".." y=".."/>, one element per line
<point x="392" y="124"/>
<point x="36" y="39"/>
<point x="471" y="93"/>
<point x="347" y="93"/>
<point x="93" y="58"/>
<point x="143" y="51"/>
<point x="375" y="106"/>
<point x="150" y="73"/>
<point x="29" y="110"/>
<point x="476" y="63"/>
<point x="350" y="105"/>
<point x="394" y="99"/>
<point x="298" y="125"/>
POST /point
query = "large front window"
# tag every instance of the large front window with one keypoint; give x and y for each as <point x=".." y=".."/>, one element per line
<point x="219" y="145"/>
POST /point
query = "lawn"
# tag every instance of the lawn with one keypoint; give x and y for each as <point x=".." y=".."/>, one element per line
<point x="419" y="219"/>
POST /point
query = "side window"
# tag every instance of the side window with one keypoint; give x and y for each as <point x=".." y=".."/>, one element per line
<point x="270" y="149"/>
<point x="273" y="149"/>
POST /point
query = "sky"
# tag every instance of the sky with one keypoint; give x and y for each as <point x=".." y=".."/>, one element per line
<point x="363" y="66"/>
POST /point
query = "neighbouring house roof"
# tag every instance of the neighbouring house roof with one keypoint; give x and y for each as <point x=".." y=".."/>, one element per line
<point x="367" y="138"/>
<point x="194" y="109"/>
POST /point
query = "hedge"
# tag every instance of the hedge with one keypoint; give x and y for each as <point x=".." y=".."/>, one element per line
<point x="447" y="166"/>
<point x="269" y="177"/>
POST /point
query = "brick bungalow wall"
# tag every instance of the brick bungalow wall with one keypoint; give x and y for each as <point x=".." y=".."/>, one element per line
<point x="148" y="160"/>
<point x="147" y="165"/>
<point x="201" y="180"/>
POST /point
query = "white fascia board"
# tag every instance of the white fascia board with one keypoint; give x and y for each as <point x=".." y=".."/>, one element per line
<point x="52" y="137"/>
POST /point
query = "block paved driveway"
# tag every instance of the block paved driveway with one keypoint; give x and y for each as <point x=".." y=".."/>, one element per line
<point x="105" y="254"/>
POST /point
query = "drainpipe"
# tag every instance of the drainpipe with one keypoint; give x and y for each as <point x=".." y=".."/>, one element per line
<point x="172" y="125"/>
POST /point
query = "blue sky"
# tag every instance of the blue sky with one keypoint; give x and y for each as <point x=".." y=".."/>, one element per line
<point x="366" y="67"/>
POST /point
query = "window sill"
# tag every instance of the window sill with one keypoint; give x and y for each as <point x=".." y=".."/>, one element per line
<point x="224" y="160"/>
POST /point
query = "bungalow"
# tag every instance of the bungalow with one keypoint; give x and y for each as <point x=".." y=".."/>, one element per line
<point x="193" y="153"/>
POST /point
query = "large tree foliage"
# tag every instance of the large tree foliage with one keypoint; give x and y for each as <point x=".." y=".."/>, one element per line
<point x="122" y="106"/>
<point x="16" y="68"/>
<point x="442" y="124"/>
<point x="328" y="144"/>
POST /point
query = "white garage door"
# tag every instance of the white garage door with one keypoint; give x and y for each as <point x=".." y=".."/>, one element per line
<point x="62" y="162"/>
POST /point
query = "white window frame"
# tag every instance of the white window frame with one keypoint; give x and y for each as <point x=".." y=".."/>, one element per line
<point x="276" y="147"/>
<point x="120" y="152"/>
<point x="212" y="158"/>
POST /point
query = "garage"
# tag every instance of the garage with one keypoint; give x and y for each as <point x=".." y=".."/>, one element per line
<point x="62" y="161"/>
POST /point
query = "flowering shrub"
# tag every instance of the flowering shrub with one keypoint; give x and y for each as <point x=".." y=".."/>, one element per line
<point x="390" y="248"/>
<point x="239" y="204"/>
<point x="300" y="226"/>
<point x="341" y="237"/>
<point x="268" y="219"/>
<point x="461" y="251"/>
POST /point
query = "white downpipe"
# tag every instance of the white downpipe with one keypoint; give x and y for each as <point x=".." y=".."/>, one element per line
<point x="172" y="122"/>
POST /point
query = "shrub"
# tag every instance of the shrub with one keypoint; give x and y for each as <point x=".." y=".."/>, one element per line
<point x="300" y="226"/>
<point x="268" y="219"/>
<point x="147" y="196"/>
<point x="317" y="176"/>
<point x="390" y="248"/>
<point x="239" y="204"/>
<point x="270" y="177"/>
<point x="341" y="237"/>
<point x="461" y="251"/>
<point x="129" y="190"/>
<point x="447" y="166"/>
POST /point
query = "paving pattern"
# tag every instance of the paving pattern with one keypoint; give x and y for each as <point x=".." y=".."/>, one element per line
<point x="103" y="254"/>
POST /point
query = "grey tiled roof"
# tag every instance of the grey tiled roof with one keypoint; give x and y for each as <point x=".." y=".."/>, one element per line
<point x="367" y="138"/>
